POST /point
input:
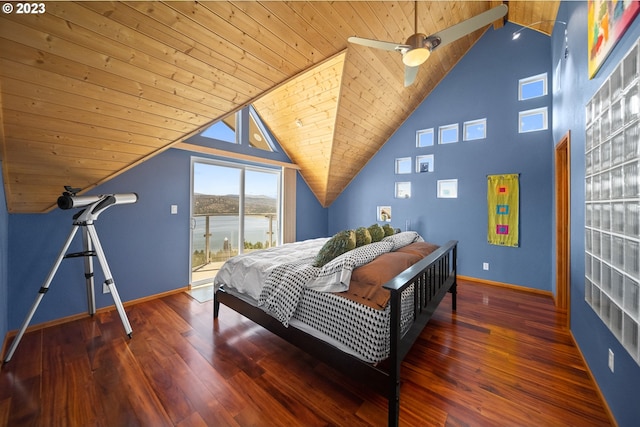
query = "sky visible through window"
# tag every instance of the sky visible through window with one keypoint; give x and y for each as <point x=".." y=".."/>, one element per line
<point x="221" y="180"/>
<point x="220" y="131"/>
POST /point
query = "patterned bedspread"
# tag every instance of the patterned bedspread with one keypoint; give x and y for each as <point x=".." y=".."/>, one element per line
<point x="283" y="287"/>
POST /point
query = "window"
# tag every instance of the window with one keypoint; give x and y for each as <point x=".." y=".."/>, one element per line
<point x="258" y="136"/>
<point x="424" y="163"/>
<point x="224" y="130"/>
<point x="532" y="87"/>
<point x="448" y="134"/>
<point x="403" y="190"/>
<point x="243" y="127"/>
<point x="532" y="120"/>
<point x="448" y="189"/>
<point x="424" y="138"/>
<point x="475" y="129"/>
<point x="236" y="208"/>
<point x="403" y="165"/>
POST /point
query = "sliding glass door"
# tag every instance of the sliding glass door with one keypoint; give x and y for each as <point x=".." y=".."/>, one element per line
<point x="235" y="208"/>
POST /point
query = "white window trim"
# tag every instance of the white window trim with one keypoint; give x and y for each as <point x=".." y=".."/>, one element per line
<point x="406" y="161"/>
<point x="527" y="80"/>
<point x="445" y="128"/>
<point x="424" y="132"/>
<point x="243" y="167"/>
<point x="534" y="112"/>
<point x="472" y="123"/>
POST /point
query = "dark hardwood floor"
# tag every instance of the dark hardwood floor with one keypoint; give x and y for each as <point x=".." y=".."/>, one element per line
<point x="502" y="359"/>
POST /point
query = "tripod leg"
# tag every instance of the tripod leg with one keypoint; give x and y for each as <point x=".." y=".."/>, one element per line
<point x="109" y="278"/>
<point x="43" y="289"/>
<point x="88" y="272"/>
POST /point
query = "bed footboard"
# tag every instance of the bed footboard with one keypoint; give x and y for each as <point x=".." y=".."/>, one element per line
<point x="431" y="278"/>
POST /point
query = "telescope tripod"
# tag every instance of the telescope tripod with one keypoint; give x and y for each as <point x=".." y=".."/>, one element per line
<point x="91" y="248"/>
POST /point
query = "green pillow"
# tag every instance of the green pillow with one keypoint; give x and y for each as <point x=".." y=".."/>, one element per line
<point x="377" y="233"/>
<point x="363" y="237"/>
<point x="341" y="242"/>
<point x="388" y="230"/>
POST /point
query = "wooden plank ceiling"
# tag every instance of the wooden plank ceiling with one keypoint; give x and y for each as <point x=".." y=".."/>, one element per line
<point x="90" y="89"/>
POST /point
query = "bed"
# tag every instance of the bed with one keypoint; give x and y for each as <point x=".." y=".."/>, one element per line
<point x="359" y="313"/>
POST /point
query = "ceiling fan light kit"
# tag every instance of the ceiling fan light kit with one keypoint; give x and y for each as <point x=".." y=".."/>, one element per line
<point x="419" y="46"/>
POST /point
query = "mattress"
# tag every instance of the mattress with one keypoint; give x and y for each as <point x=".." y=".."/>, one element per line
<point x="353" y="328"/>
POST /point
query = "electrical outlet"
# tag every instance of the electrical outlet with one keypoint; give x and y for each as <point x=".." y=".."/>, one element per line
<point x="105" y="289"/>
<point x="485" y="265"/>
<point x="174" y="209"/>
<point x="611" y="360"/>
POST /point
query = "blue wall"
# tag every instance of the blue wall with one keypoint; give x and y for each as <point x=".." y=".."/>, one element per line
<point x="4" y="250"/>
<point x="573" y="91"/>
<point x="484" y="84"/>
<point x="146" y="247"/>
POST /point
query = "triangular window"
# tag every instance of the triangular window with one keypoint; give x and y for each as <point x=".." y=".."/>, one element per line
<point x="244" y="127"/>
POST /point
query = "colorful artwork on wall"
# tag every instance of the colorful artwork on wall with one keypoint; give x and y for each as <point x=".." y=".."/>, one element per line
<point x="607" y="22"/>
<point x="503" y="195"/>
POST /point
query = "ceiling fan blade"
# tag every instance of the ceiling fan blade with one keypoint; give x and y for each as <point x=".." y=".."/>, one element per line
<point x="377" y="44"/>
<point x="470" y="25"/>
<point x="410" y="74"/>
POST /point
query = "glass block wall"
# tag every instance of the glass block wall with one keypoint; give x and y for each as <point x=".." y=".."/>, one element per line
<point x="612" y="203"/>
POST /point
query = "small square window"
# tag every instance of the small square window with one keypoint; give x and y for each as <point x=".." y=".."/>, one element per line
<point x="424" y="138"/>
<point x="403" y="165"/>
<point x="448" y="189"/>
<point x="475" y="129"/>
<point x="448" y="134"/>
<point x="403" y="190"/>
<point x="532" y="120"/>
<point x="424" y="163"/>
<point x="532" y="87"/>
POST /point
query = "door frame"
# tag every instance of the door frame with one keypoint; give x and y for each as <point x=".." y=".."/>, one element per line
<point x="562" y="160"/>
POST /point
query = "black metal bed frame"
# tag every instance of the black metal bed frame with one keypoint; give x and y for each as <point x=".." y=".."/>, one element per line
<point x="432" y="277"/>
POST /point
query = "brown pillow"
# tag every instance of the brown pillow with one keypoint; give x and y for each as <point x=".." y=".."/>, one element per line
<point x="384" y="268"/>
<point x="419" y="248"/>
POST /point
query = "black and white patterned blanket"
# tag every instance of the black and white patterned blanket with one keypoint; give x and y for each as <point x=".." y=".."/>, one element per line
<point x="283" y="288"/>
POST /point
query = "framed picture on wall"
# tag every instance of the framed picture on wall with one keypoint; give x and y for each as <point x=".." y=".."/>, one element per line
<point x="384" y="213"/>
<point x="607" y="21"/>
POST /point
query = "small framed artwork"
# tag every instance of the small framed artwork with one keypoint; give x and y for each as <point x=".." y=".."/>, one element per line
<point x="448" y="189"/>
<point x="403" y="165"/>
<point x="424" y="163"/>
<point x="403" y="190"/>
<point x="384" y="213"/>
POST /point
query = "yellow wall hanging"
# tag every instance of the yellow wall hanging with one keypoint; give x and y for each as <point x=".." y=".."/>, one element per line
<point x="503" y="202"/>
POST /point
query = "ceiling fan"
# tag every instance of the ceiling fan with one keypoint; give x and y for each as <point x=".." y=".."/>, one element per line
<point x="419" y="46"/>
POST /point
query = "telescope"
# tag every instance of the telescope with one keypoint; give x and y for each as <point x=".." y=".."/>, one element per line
<point x="70" y="200"/>
<point x="84" y="219"/>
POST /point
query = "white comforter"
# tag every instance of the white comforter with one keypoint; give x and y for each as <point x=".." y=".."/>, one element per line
<point x="247" y="273"/>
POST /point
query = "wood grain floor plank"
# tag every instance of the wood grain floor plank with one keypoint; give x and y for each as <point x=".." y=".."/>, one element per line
<point x="502" y="359"/>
